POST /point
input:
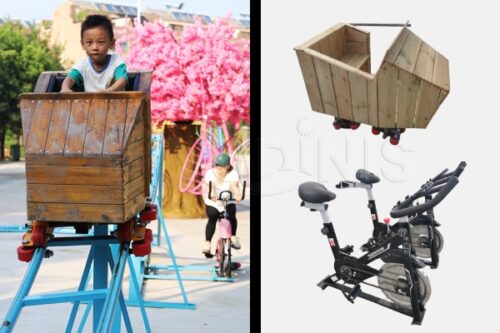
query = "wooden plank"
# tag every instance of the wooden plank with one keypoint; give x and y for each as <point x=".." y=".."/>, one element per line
<point x="133" y="151"/>
<point x="408" y="90"/>
<point x="73" y="175"/>
<point x="75" y="194"/>
<point x="355" y="60"/>
<point x="442" y="95"/>
<point x="326" y="87"/>
<point x="96" y="125"/>
<point x="137" y="132"/>
<point x="353" y="34"/>
<point x="358" y="48"/>
<point x="311" y="81"/>
<point x="319" y="36"/>
<point x="372" y="102"/>
<point x="337" y="43"/>
<point x="387" y="77"/>
<point x="27" y="107"/>
<point x="81" y="95"/>
<point x="133" y="108"/>
<point x="77" y="126"/>
<point x="342" y="92"/>
<point x="146" y="110"/>
<point x="145" y="82"/>
<point x="58" y="128"/>
<point x="133" y="170"/>
<point x="115" y="125"/>
<point x="393" y="51"/>
<point x="43" y="82"/>
<point x="134" y="206"/>
<point x="39" y="127"/>
<point x="61" y="161"/>
<point x="425" y="62"/>
<point x="427" y="104"/>
<point x="359" y="98"/>
<point x="323" y="47"/>
<point x="441" y="75"/>
<point x="61" y="212"/>
<point x="338" y="63"/>
<point x="407" y="58"/>
<point x="133" y="189"/>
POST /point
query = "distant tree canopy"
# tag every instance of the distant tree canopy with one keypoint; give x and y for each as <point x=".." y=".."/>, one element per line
<point x="23" y="56"/>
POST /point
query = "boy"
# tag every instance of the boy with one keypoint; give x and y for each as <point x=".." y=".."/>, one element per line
<point x="99" y="71"/>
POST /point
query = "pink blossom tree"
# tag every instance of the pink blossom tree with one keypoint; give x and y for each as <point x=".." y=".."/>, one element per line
<point x="205" y="72"/>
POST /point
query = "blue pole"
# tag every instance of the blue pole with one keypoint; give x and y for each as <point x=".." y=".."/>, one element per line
<point x="10" y="319"/>
<point x="81" y="287"/>
<point x="139" y="297"/>
<point x="100" y="273"/>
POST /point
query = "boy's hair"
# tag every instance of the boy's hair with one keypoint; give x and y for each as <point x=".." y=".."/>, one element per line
<point x="92" y="21"/>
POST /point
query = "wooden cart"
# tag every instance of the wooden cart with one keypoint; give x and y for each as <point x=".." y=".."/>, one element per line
<point x="405" y="92"/>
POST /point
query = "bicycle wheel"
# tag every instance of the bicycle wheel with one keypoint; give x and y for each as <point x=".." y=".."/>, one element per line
<point x="228" y="260"/>
<point x="221" y="257"/>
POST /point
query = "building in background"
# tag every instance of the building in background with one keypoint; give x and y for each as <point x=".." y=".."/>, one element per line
<point x="64" y="29"/>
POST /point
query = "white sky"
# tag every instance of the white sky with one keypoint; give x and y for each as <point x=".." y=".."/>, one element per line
<point x="37" y="10"/>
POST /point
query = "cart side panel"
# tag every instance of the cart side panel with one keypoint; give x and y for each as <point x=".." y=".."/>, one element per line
<point x="342" y="91"/>
<point x="408" y="91"/>
<point x="359" y="97"/>
<point x="407" y="57"/>
<point x="325" y="83"/>
<point x="387" y="78"/>
<point x="311" y="81"/>
<point x="427" y="104"/>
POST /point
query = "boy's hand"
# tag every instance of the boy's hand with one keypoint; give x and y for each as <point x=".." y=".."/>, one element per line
<point x="66" y="90"/>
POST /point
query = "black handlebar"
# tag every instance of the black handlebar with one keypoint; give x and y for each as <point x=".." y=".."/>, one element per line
<point x="442" y="184"/>
<point x="231" y="198"/>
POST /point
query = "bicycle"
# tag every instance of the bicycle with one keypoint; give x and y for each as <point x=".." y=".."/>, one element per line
<point x="400" y="278"/>
<point x="225" y="266"/>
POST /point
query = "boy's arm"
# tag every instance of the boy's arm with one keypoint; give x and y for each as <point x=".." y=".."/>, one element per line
<point x="67" y="84"/>
<point x="119" y="85"/>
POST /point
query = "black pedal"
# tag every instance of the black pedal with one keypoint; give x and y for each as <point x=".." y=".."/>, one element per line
<point x="353" y="293"/>
<point x="208" y="255"/>
<point x="347" y="249"/>
<point x="368" y="246"/>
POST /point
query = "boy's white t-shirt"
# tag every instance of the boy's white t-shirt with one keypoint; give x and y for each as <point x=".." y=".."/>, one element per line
<point x="83" y="73"/>
<point x="231" y="177"/>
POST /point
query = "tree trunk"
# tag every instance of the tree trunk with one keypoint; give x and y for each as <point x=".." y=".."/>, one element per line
<point x="178" y="140"/>
<point x="2" y="144"/>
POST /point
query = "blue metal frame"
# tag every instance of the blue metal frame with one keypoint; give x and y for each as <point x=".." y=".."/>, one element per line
<point x="102" y="299"/>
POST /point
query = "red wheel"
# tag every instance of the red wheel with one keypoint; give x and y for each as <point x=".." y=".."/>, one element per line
<point x="149" y="213"/>
<point x="38" y="236"/>
<point x="394" y="141"/>
<point x="141" y="248"/>
<point x="124" y="232"/>
<point x="148" y="236"/>
<point x="375" y="131"/>
<point x="25" y="253"/>
<point x="337" y="126"/>
<point x="355" y="126"/>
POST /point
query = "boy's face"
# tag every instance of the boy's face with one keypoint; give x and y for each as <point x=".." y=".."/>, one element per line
<point x="96" y="42"/>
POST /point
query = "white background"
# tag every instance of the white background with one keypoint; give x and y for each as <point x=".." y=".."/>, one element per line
<point x="300" y="145"/>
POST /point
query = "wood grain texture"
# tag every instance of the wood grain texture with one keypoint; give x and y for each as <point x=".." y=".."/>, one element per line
<point x="407" y="58"/>
<point x="37" y="136"/>
<point x="441" y="75"/>
<point x="78" y="194"/>
<point x="325" y="83"/>
<point x="133" y="170"/>
<point x="337" y="43"/>
<point x="342" y="92"/>
<point x="133" y="206"/>
<point x="311" y="81"/>
<point x="89" y="213"/>
<point x="73" y="175"/>
<point x="62" y="161"/>
<point x="133" y="189"/>
<point x="96" y="126"/>
<point x="425" y="62"/>
<point x="27" y="107"/>
<point x="115" y="125"/>
<point x="427" y="104"/>
<point x="133" y="109"/>
<point x="133" y="151"/>
<point x="372" y="102"/>
<point x="359" y="97"/>
<point x="58" y="128"/>
<point x="77" y="128"/>
<point x="137" y="133"/>
<point x="409" y="86"/>
<point x="387" y="93"/>
<point x="393" y="51"/>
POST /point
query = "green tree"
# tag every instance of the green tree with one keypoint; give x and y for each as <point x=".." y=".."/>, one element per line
<point x="23" y="56"/>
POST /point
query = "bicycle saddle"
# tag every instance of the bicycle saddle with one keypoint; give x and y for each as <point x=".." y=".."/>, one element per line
<point x="366" y="177"/>
<point x="315" y="193"/>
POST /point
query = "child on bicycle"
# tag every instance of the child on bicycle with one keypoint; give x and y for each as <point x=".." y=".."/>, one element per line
<point x="99" y="71"/>
<point x="223" y="178"/>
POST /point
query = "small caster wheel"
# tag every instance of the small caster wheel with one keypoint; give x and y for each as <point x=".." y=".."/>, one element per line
<point x="141" y="248"/>
<point x="149" y="213"/>
<point x="394" y="141"/>
<point x="375" y="131"/>
<point x="38" y="236"/>
<point x="148" y="236"/>
<point x="337" y="126"/>
<point x="25" y="253"/>
<point x="355" y="126"/>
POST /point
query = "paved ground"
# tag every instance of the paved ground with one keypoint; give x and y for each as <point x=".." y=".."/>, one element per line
<point x="220" y="306"/>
